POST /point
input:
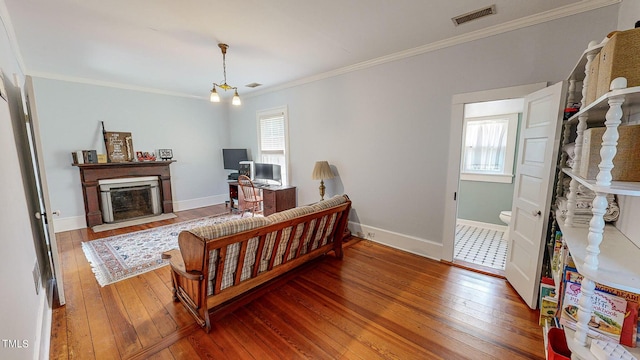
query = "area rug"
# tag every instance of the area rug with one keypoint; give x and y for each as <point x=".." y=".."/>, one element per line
<point x="140" y="221"/>
<point x="123" y="256"/>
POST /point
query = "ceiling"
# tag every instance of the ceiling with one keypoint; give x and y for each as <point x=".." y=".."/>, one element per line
<point x="171" y="46"/>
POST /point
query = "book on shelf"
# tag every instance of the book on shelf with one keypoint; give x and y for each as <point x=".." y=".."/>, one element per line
<point x="548" y="301"/>
<point x="630" y="326"/>
<point x="557" y="252"/>
<point x="607" y="314"/>
<point x="548" y="310"/>
<point x="90" y="156"/>
<point x="74" y="157"/>
<point x="84" y="157"/>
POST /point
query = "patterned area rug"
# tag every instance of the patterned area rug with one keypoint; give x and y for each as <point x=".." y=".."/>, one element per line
<point x="123" y="256"/>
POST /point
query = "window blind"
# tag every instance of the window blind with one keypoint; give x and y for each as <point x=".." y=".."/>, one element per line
<point x="272" y="138"/>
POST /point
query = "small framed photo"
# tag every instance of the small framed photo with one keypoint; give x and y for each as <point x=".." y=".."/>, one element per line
<point x="165" y="154"/>
<point x="145" y="156"/>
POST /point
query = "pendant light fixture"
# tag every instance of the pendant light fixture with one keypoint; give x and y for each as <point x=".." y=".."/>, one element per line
<point x="224" y="86"/>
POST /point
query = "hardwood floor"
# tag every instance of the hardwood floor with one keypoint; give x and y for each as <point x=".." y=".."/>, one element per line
<point x="377" y="303"/>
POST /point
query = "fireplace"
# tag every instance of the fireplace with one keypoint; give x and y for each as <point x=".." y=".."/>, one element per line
<point x="129" y="198"/>
<point x="91" y="175"/>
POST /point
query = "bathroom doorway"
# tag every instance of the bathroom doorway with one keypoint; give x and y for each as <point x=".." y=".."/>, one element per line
<point x="479" y="232"/>
<point x="485" y="188"/>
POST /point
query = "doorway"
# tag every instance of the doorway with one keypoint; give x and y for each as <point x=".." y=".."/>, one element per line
<point x="473" y="234"/>
<point x="485" y="187"/>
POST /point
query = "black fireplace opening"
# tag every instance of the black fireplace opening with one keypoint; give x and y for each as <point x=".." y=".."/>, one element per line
<point x="130" y="203"/>
<point x="129" y="198"/>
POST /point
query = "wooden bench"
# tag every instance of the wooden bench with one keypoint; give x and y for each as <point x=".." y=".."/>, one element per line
<point x="205" y="267"/>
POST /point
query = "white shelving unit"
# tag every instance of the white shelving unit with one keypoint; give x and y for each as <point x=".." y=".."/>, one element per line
<point x="602" y="254"/>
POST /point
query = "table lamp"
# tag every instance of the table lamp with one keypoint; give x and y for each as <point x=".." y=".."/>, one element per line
<point x="322" y="171"/>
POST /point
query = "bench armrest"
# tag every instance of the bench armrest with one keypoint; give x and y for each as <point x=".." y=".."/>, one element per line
<point x="177" y="264"/>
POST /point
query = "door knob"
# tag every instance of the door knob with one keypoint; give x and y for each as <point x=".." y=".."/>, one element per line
<point x="38" y="215"/>
<point x="536" y="212"/>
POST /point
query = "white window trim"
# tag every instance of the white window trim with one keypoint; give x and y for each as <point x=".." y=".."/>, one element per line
<point x="512" y="132"/>
<point x="281" y="110"/>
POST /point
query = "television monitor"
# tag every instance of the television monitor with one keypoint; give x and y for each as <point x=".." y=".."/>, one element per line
<point x="268" y="172"/>
<point x="276" y="173"/>
<point x="232" y="157"/>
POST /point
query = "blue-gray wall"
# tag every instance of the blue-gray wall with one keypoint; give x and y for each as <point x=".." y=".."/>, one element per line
<point x="70" y="115"/>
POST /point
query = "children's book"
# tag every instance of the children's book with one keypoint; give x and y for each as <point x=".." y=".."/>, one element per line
<point x="607" y="315"/>
<point x="548" y="310"/>
<point x="630" y="326"/>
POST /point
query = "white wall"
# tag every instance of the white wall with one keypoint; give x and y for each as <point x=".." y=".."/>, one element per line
<point x="628" y="15"/>
<point x="385" y="128"/>
<point x="24" y="315"/>
<point x="70" y="115"/>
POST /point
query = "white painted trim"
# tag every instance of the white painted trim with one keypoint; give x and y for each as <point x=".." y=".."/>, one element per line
<point x="482" y="225"/>
<point x="423" y="247"/>
<point x="200" y="202"/>
<point x="455" y="146"/>
<point x="47" y="320"/>
<point x="275" y="111"/>
<point x="116" y="85"/>
<point x="496" y="94"/>
<point x="495" y="178"/>
<point x="554" y="14"/>
<point x="79" y="222"/>
<point x="69" y="223"/>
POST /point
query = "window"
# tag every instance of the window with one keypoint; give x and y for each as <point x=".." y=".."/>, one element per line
<point x="273" y="139"/>
<point x="488" y="151"/>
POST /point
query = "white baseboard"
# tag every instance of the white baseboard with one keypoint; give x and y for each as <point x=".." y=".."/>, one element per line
<point x="200" y="202"/>
<point x="69" y="223"/>
<point x="483" y="225"/>
<point x="408" y="243"/>
<point x="79" y="222"/>
<point x="47" y="321"/>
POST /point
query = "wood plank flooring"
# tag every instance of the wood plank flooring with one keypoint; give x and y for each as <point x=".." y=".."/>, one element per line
<point x="377" y="303"/>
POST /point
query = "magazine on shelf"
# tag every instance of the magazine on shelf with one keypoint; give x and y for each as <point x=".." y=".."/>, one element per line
<point x="607" y="315"/>
<point x="630" y="326"/>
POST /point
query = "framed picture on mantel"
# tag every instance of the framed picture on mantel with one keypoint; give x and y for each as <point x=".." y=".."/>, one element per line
<point x="119" y="146"/>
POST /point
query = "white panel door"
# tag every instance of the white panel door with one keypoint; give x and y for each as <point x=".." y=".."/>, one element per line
<point x="537" y="154"/>
<point x="44" y="213"/>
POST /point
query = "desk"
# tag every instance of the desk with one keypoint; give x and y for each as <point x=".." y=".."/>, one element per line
<point x="275" y="197"/>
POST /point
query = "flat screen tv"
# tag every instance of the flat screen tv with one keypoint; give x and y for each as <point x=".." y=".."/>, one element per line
<point x="268" y="172"/>
<point x="232" y="157"/>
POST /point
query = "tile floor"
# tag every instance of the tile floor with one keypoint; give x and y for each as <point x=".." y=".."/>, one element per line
<point x="480" y="246"/>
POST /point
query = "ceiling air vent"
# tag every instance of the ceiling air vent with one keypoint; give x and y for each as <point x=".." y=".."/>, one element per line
<point x="253" y="85"/>
<point x="476" y="14"/>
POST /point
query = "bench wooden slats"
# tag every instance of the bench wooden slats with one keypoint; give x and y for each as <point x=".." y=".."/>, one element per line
<point x="191" y="263"/>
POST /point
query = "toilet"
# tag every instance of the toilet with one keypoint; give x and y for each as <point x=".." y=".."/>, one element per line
<point x="505" y="217"/>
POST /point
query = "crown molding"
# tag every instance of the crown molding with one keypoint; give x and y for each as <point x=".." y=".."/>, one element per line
<point x="550" y="15"/>
<point x="546" y="16"/>
<point x="114" y="85"/>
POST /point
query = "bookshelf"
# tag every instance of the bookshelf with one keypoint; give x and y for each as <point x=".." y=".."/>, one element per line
<point x="602" y="253"/>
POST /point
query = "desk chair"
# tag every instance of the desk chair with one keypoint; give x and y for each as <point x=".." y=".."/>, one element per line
<point x="252" y="198"/>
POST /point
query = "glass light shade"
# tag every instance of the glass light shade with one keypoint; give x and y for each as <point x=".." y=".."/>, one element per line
<point x="214" y="95"/>
<point x="236" y="99"/>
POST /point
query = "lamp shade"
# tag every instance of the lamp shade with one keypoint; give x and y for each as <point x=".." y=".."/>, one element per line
<point x="322" y="171"/>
